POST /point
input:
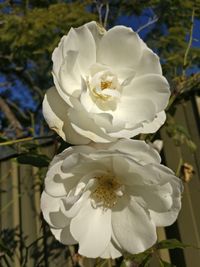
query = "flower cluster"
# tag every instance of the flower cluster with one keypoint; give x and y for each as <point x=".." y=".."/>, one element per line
<point x="108" y="193"/>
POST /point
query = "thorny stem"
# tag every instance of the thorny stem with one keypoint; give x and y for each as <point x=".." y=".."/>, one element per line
<point x="190" y="42"/>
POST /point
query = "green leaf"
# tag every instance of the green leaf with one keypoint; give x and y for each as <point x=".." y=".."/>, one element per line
<point x="147" y="260"/>
<point x="123" y="264"/>
<point x="171" y="244"/>
<point x="37" y="160"/>
<point x="166" y="264"/>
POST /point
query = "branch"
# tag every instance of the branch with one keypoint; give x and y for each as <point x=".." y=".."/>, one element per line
<point x="190" y="41"/>
<point x="11" y="117"/>
<point x="149" y="23"/>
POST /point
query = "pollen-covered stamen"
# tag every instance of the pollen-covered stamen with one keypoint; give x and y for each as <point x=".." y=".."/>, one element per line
<point x="106" y="84"/>
<point x="106" y="192"/>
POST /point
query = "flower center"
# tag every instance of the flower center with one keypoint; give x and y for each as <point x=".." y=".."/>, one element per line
<point x="104" y="85"/>
<point x="107" y="191"/>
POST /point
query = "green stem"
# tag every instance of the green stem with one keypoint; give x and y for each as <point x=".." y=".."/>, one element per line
<point x="26" y="139"/>
<point x="189" y="43"/>
<point x="180" y="163"/>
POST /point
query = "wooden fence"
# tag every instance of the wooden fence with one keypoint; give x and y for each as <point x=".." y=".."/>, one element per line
<point x="20" y="189"/>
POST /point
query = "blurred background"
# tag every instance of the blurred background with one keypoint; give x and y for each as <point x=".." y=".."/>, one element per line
<point x="29" y="32"/>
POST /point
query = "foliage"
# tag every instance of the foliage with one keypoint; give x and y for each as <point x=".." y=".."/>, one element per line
<point x="28" y="35"/>
<point x="179" y="134"/>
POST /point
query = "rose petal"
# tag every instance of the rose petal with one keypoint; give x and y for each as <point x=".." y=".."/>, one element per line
<point x="52" y="213"/>
<point x="169" y="217"/>
<point x="55" y="112"/>
<point x="64" y="235"/>
<point x="120" y="47"/>
<point x="92" y="228"/>
<point x="152" y="86"/>
<point x="152" y="127"/>
<point x="149" y="63"/>
<point x="133" y="227"/>
<point x="156" y="197"/>
<point x="85" y="126"/>
<point x="134" y="110"/>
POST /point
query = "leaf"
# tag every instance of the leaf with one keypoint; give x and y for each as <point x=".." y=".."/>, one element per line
<point x="141" y="259"/>
<point x="5" y="250"/>
<point x="147" y="260"/>
<point x="123" y="264"/>
<point x="171" y="244"/>
<point x="166" y="264"/>
<point x="179" y="134"/>
<point x="37" y="160"/>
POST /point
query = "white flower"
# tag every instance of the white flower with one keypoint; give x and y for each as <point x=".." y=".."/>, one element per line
<point x="109" y="198"/>
<point x="108" y="85"/>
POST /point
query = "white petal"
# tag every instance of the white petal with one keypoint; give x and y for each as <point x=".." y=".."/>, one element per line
<point x="149" y="63"/>
<point x="157" y="197"/>
<point x="58" y="182"/>
<point x="169" y="217"/>
<point x="57" y="56"/>
<point x="72" y="212"/>
<point x="97" y="31"/>
<point x="80" y="40"/>
<point x="152" y="86"/>
<point x="55" y="112"/>
<point x="134" y="111"/>
<point x="152" y="127"/>
<point x="133" y="227"/>
<point x="92" y="229"/>
<point x="70" y="162"/>
<point x="130" y="173"/>
<point x="88" y="102"/>
<point x="86" y="48"/>
<point x="164" y="174"/>
<point x="139" y="150"/>
<point x="86" y="127"/>
<point x="64" y="235"/>
<point x="158" y="145"/>
<point x="120" y="47"/>
<point x="60" y="185"/>
<point x="111" y="252"/>
<point x="64" y="96"/>
<point x="52" y="213"/>
<point x="69" y="75"/>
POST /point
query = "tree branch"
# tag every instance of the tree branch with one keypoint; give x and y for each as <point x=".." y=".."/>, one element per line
<point x="11" y="117"/>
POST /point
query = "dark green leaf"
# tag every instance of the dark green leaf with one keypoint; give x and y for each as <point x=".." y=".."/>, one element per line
<point x="147" y="260"/>
<point x="37" y="160"/>
<point x="171" y="244"/>
<point x="5" y="250"/>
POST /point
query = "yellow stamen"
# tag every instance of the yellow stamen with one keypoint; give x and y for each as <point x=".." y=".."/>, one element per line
<point x="105" y="193"/>
<point x="105" y="85"/>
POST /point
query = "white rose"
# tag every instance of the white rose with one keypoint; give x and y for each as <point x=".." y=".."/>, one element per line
<point x="109" y="198"/>
<point x="108" y="85"/>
